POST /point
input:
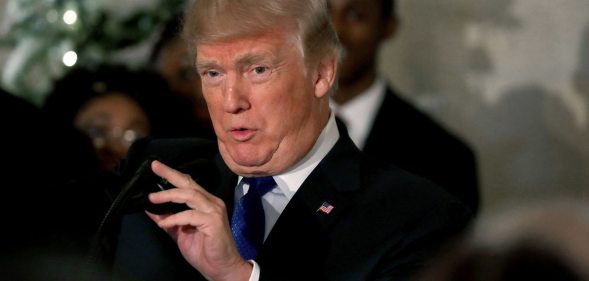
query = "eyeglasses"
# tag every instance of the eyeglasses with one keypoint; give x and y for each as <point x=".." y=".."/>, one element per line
<point x="105" y="135"/>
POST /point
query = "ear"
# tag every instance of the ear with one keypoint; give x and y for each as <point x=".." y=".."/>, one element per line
<point x="325" y="76"/>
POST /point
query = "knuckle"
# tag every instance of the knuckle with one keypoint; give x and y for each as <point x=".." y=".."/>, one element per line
<point x="219" y="202"/>
<point x="187" y="180"/>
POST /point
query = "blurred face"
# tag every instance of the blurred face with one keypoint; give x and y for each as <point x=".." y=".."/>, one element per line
<point x="174" y="63"/>
<point x="113" y="122"/>
<point x="266" y="108"/>
<point x="361" y="28"/>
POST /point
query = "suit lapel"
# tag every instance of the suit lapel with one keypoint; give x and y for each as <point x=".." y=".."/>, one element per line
<point x="326" y="186"/>
<point x="304" y="225"/>
<point x="302" y="232"/>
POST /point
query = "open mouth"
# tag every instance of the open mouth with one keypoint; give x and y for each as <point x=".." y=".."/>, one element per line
<point x="242" y="134"/>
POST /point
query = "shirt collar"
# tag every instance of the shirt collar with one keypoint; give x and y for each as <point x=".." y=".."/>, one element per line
<point x="358" y="114"/>
<point x="290" y="181"/>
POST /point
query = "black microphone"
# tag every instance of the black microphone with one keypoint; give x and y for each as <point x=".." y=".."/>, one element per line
<point x="145" y="181"/>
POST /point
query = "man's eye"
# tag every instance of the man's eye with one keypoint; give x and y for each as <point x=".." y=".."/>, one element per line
<point x="212" y="73"/>
<point x="259" y="74"/>
<point x="211" y="77"/>
<point x="260" y="69"/>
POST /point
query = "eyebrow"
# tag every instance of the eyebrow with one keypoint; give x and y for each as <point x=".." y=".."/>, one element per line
<point x="244" y="60"/>
<point x="206" y="64"/>
<point x="249" y="59"/>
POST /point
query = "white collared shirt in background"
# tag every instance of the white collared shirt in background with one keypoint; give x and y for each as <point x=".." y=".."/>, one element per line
<point x="359" y="113"/>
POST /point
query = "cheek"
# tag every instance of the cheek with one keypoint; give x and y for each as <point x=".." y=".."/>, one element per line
<point x="282" y="97"/>
<point x="288" y="111"/>
<point x="211" y="98"/>
<point x="214" y="105"/>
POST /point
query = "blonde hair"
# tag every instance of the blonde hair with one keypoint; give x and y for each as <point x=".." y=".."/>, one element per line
<point x="308" y="20"/>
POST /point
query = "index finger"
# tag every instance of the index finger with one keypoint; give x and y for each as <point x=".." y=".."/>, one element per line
<point x="172" y="175"/>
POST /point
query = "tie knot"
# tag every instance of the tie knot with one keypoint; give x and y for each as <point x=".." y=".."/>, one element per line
<point x="260" y="185"/>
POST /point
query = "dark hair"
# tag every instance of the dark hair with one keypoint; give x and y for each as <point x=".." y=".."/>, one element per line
<point x="147" y="88"/>
<point x="172" y="29"/>
<point x="389" y="9"/>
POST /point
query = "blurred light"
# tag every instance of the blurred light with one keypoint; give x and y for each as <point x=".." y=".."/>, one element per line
<point x="52" y="16"/>
<point x="70" y="17"/>
<point x="70" y="58"/>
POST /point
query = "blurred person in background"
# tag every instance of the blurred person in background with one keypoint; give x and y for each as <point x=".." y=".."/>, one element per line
<point x="115" y="106"/>
<point x="379" y="120"/>
<point x="41" y="212"/>
<point x="172" y="58"/>
<point x="112" y="106"/>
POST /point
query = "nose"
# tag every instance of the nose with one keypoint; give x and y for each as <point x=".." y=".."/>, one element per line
<point x="235" y="95"/>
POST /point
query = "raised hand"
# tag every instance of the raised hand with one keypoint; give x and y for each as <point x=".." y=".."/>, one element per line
<point x="202" y="233"/>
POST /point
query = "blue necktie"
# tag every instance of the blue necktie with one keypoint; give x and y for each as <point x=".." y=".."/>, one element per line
<point x="247" y="222"/>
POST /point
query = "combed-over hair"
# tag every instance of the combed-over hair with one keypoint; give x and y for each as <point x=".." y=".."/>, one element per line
<point x="308" y="20"/>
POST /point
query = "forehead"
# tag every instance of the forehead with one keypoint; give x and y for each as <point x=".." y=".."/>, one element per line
<point x="272" y="44"/>
<point x="112" y="102"/>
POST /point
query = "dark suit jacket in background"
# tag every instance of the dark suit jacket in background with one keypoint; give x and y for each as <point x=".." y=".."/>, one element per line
<point x="405" y="136"/>
<point x="39" y="157"/>
<point x="47" y="222"/>
<point x="385" y="224"/>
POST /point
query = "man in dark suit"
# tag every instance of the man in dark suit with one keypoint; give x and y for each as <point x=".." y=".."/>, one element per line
<point x="328" y="211"/>
<point x="381" y="122"/>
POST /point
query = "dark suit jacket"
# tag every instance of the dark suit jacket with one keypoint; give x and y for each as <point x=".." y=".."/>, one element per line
<point x="41" y="156"/>
<point x="410" y="139"/>
<point x="385" y="224"/>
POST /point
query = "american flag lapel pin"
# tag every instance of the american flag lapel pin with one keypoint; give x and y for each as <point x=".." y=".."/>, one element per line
<point x="325" y="208"/>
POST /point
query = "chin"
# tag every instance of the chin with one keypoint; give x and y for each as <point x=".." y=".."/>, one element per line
<point x="246" y="170"/>
<point x="244" y="162"/>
